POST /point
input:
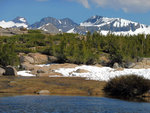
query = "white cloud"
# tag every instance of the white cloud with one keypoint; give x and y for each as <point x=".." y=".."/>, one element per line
<point x="125" y="5"/>
<point x="85" y="3"/>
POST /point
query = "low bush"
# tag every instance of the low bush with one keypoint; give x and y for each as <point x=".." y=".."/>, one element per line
<point x="127" y="86"/>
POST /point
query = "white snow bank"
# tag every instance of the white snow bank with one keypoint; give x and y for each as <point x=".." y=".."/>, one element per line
<point x="101" y="73"/>
<point x="22" y="19"/>
<point x="25" y="73"/>
<point x="9" y="24"/>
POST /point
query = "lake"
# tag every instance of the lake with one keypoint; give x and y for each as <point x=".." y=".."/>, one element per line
<point x="69" y="104"/>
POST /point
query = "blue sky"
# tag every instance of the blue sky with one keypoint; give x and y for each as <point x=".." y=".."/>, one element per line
<point x="77" y="10"/>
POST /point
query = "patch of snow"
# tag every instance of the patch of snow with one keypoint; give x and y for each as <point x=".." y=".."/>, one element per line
<point x="25" y="73"/>
<point x="56" y="76"/>
<point x="22" y="19"/>
<point x="12" y="24"/>
<point x="99" y="22"/>
<point x="71" y="31"/>
<point x="46" y="24"/>
<point x="44" y="29"/>
<point x="87" y="24"/>
<point x="101" y="73"/>
<point x="60" y="30"/>
<point x="59" y="21"/>
<point x="93" y="17"/>
<point x="104" y="32"/>
<point x="145" y="30"/>
<point x="123" y="23"/>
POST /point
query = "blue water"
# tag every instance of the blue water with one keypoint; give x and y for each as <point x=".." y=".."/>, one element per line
<point x="69" y="104"/>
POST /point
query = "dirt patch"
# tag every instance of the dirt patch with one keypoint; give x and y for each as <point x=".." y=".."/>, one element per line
<point x="65" y="65"/>
<point x="56" y="85"/>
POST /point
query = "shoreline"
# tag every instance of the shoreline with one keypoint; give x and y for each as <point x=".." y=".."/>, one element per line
<point x="68" y="86"/>
<point x="56" y="86"/>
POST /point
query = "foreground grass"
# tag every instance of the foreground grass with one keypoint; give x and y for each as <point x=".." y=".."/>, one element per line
<point x="64" y="86"/>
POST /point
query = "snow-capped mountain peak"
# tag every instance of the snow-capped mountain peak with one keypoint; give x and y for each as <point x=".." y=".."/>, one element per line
<point x="101" y="21"/>
<point x="96" y="23"/>
<point x="114" y="25"/>
<point x="63" y="24"/>
<point x="17" y="22"/>
<point x="20" y="20"/>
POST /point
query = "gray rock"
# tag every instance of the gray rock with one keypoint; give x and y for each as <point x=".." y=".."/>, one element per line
<point x="81" y="71"/>
<point x="138" y="66"/>
<point x="43" y="92"/>
<point x="26" y="66"/>
<point x="52" y="59"/>
<point x="40" y="71"/>
<point x="49" y="28"/>
<point x="26" y="59"/>
<point x="116" y="65"/>
<point x="38" y="58"/>
<point x="11" y="31"/>
<point x="129" y="65"/>
<point x="146" y="61"/>
<point x="10" y="71"/>
<point x="2" y="71"/>
<point x="63" y="24"/>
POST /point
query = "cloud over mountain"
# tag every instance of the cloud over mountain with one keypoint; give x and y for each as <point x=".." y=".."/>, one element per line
<point x="125" y="5"/>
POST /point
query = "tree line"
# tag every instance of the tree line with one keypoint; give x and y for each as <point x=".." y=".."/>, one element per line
<point x="75" y="48"/>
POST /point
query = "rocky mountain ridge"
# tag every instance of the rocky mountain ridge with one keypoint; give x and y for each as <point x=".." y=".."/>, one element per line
<point x="106" y="25"/>
<point x="96" y="23"/>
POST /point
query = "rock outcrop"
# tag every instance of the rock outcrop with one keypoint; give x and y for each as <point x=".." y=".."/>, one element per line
<point x="2" y="71"/>
<point x="10" y="71"/>
<point x="81" y="71"/>
<point x="104" y="59"/>
<point x="129" y="65"/>
<point x="116" y="65"/>
<point x="11" y="31"/>
<point x="37" y="58"/>
<point x="142" y="63"/>
<point x="27" y="66"/>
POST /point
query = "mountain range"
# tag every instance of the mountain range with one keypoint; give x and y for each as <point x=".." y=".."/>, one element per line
<point x="96" y="23"/>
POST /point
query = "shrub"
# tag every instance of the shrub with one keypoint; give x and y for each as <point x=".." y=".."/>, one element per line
<point x="127" y="86"/>
<point x="8" y="55"/>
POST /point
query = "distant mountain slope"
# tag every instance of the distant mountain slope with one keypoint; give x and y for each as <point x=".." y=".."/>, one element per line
<point x="49" y="28"/>
<point x="96" y="23"/>
<point x="63" y="24"/>
<point x="20" y="20"/>
<point x="113" y="25"/>
<point x="17" y="22"/>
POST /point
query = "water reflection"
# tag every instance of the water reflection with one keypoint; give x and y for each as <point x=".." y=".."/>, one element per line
<point x="69" y="104"/>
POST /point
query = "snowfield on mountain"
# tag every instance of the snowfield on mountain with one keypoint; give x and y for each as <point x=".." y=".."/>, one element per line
<point x="100" y="24"/>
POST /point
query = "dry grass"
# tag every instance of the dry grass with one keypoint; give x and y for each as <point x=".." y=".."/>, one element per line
<point x="65" y="86"/>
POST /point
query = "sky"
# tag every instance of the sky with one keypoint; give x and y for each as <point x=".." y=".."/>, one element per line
<point x="77" y="10"/>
